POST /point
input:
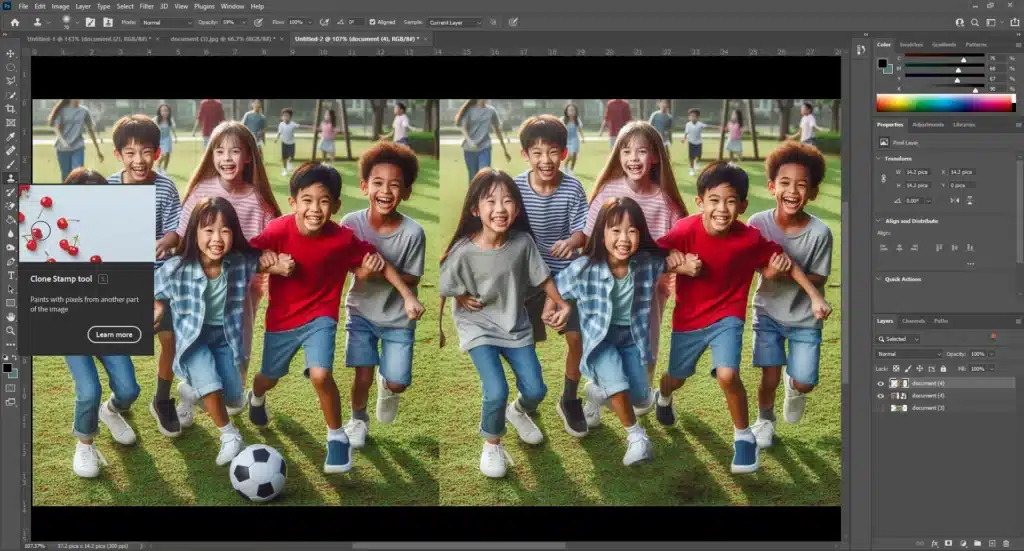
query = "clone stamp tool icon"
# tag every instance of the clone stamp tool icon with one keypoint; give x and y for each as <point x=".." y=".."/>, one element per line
<point x="41" y="231"/>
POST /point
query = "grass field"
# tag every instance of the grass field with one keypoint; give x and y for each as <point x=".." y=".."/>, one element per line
<point x="398" y="466"/>
<point x="691" y="465"/>
<point x="430" y="455"/>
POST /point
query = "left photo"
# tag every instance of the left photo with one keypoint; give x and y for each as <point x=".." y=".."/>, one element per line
<point x="296" y="245"/>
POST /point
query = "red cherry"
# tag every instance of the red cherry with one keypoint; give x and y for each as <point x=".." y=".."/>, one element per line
<point x="21" y="217"/>
<point x="51" y="260"/>
<point x="46" y="202"/>
<point x="64" y="244"/>
<point x="37" y="233"/>
<point x="31" y="245"/>
<point x="62" y="223"/>
<point x="95" y="259"/>
<point x="73" y="250"/>
<point x="22" y="188"/>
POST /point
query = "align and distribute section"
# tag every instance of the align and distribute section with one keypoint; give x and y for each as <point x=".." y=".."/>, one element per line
<point x="86" y="271"/>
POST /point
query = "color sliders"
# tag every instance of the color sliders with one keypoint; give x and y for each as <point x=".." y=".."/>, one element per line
<point x="946" y="103"/>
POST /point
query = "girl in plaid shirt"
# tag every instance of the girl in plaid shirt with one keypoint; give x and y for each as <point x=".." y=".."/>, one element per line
<point x="614" y="285"/>
<point x="205" y="286"/>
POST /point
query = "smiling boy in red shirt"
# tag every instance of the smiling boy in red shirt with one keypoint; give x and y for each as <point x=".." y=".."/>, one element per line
<point x="303" y="309"/>
<point x="711" y="304"/>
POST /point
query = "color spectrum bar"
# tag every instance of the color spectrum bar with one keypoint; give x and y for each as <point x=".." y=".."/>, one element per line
<point x="946" y="103"/>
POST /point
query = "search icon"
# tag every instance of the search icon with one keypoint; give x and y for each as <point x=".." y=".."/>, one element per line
<point x="10" y="330"/>
<point x="974" y="22"/>
<point x="881" y="340"/>
<point x="960" y="22"/>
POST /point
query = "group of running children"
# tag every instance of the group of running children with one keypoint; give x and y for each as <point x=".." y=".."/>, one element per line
<point x="528" y="252"/>
<point x="514" y="267"/>
<point x="219" y="249"/>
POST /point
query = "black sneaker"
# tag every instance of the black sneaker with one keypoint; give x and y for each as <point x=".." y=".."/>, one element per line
<point x="257" y="414"/>
<point x="665" y="415"/>
<point x="166" y="417"/>
<point x="571" y="411"/>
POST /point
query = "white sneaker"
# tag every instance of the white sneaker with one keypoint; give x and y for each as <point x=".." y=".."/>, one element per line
<point x="639" y="449"/>
<point x="387" y="402"/>
<point x="356" y="430"/>
<point x="494" y="460"/>
<point x="284" y="172"/>
<point x="592" y="404"/>
<point x="643" y="409"/>
<point x="119" y="428"/>
<point x="692" y="172"/>
<point x="763" y="430"/>
<point x="230" y="445"/>
<point x="88" y="460"/>
<point x="528" y="431"/>
<point x="187" y="400"/>
<point x="795" y="403"/>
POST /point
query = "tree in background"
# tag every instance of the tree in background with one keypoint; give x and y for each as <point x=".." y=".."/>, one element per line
<point x="785" y="107"/>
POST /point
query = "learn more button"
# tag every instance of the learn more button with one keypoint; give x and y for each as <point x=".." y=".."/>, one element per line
<point x="114" y="334"/>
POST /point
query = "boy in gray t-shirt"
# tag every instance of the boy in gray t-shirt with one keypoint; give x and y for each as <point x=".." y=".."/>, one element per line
<point x="374" y="309"/>
<point x="782" y="311"/>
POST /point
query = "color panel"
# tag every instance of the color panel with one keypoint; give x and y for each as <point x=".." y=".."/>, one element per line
<point x="946" y="103"/>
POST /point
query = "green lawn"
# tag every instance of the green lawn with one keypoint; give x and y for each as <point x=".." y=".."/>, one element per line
<point x="691" y="465"/>
<point x="398" y="466"/>
<point x="431" y="454"/>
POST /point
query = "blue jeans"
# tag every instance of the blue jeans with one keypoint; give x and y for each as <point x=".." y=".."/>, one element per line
<point x="804" y="355"/>
<point x="316" y="339"/>
<point x="70" y="160"/>
<point x="477" y="161"/>
<point x="724" y="338"/>
<point x="395" y="355"/>
<point x="88" y="392"/>
<point x="209" y="366"/>
<point x="529" y="381"/>
<point x="616" y="365"/>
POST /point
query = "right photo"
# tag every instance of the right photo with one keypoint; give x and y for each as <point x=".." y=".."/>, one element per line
<point x="640" y="302"/>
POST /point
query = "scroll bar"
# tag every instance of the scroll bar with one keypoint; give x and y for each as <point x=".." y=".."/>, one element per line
<point x="1020" y="225"/>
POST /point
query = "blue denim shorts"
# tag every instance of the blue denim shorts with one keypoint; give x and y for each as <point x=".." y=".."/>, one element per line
<point x="804" y="355"/>
<point x="617" y="365"/>
<point x="394" y="356"/>
<point x="724" y="337"/>
<point x="316" y="339"/>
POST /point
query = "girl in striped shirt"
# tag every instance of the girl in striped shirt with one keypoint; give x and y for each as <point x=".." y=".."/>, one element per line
<point x="638" y="168"/>
<point x="232" y="168"/>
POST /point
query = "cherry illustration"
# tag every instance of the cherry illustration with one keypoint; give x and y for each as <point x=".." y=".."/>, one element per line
<point x="31" y="244"/>
<point x="51" y="260"/>
<point x="46" y="202"/>
<point x="73" y="250"/>
<point x="23" y="188"/>
<point x="62" y="223"/>
<point x="37" y="233"/>
<point x="21" y="217"/>
<point x="95" y="259"/>
<point x="64" y="244"/>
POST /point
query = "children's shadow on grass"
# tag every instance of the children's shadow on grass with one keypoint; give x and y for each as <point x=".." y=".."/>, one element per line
<point x="672" y="478"/>
<point x="424" y="488"/>
<point x="203" y="476"/>
<point x="146" y="486"/>
<point x="358" y="487"/>
<point x="552" y="484"/>
<point x="797" y="458"/>
<point x="757" y="488"/>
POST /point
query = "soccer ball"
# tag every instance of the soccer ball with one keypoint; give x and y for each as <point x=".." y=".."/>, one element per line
<point x="258" y="473"/>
